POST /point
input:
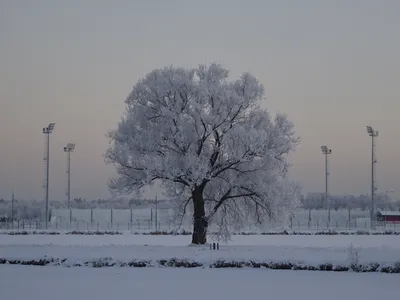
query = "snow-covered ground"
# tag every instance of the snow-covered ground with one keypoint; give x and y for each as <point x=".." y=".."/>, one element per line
<point x="57" y="282"/>
<point x="20" y="282"/>
<point x="310" y="250"/>
<point x="364" y="241"/>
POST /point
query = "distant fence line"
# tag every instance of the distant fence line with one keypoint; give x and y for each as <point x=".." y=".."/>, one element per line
<point x="144" y="219"/>
<point x="149" y="226"/>
<point x="82" y="225"/>
<point x="113" y="216"/>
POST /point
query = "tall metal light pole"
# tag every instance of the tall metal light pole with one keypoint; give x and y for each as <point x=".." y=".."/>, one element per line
<point x="373" y="134"/>
<point x="48" y="130"/>
<point x="12" y="210"/>
<point x="68" y="149"/>
<point x="326" y="151"/>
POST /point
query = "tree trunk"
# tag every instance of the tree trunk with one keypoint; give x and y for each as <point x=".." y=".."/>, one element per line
<point x="200" y="223"/>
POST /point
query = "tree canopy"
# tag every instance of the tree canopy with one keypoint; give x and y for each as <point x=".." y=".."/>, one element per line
<point x="208" y="142"/>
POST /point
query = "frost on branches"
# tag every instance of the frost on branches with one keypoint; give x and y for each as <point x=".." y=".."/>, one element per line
<point x="208" y="143"/>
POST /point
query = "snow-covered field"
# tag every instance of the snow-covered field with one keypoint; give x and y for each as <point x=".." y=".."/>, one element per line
<point x="19" y="282"/>
<point x="58" y="282"/>
<point x="310" y="250"/>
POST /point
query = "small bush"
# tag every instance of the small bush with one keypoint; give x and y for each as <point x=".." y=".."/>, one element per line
<point x="300" y="267"/>
<point x="281" y="266"/>
<point x="326" y="267"/>
<point x="255" y="264"/>
<point x="372" y="267"/>
<point x="139" y="264"/>
<point x="179" y="263"/>
<point x="226" y="264"/>
<point x="24" y="232"/>
<point x="340" y="268"/>
<point x="94" y="233"/>
<point x="40" y="262"/>
<point x="160" y="232"/>
<point x="14" y="262"/>
<point x="354" y="258"/>
<point x="327" y="233"/>
<point x="101" y="263"/>
<point x="391" y="269"/>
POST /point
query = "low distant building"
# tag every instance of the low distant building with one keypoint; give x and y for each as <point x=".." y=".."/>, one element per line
<point x="388" y="216"/>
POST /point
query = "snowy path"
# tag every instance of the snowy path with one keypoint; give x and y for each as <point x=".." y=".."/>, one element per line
<point x="19" y="282"/>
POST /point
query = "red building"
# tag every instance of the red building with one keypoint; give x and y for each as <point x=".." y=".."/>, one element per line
<point x="388" y="216"/>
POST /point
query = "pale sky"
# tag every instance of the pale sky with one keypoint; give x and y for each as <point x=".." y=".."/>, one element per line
<point x="332" y="66"/>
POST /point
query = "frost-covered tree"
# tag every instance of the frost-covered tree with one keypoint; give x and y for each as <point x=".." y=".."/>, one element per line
<point x="208" y="143"/>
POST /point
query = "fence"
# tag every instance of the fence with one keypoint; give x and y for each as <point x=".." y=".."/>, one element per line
<point x="84" y="225"/>
<point x="348" y="225"/>
<point x="145" y="219"/>
<point x="149" y="226"/>
<point x="122" y="219"/>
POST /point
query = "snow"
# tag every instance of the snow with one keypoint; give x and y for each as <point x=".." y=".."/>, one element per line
<point x="363" y="241"/>
<point x="61" y="283"/>
<point x="389" y="213"/>
<point x="311" y="250"/>
<point x="149" y="283"/>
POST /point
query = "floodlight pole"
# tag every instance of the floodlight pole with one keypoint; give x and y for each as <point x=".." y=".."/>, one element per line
<point x="12" y="210"/>
<point x="68" y="149"/>
<point x="69" y="180"/>
<point x="48" y="130"/>
<point x="326" y="151"/>
<point x="47" y="179"/>
<point x="326" y="189"/>
<point x="373" y="134"/>
<point x="372" y="181"/>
